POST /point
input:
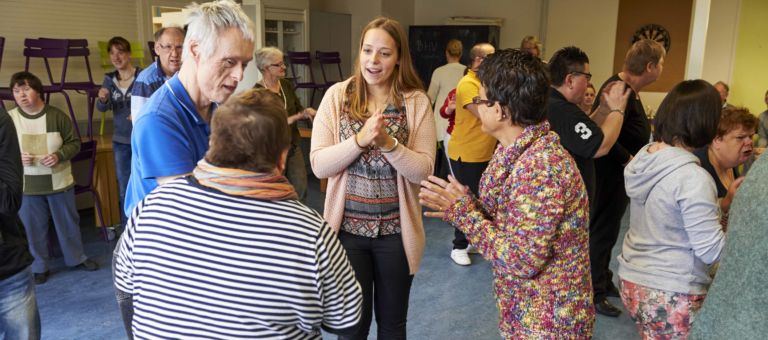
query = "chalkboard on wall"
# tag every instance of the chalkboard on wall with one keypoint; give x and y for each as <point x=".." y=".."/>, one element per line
<point x="427" y="44"/>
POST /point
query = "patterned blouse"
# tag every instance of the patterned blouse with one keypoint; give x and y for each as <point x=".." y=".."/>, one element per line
<point x="531" y="223"/>
<point x="371" y="207"/>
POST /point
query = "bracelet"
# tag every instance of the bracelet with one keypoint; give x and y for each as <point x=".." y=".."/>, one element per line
<point x="616" y="110"/>
<point x="392" y="148"/>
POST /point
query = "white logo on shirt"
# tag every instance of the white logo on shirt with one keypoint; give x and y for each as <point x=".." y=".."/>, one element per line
<point x="583" y="130"/>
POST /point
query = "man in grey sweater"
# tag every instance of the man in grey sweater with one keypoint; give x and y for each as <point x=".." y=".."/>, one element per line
<point x="735" y="305"/>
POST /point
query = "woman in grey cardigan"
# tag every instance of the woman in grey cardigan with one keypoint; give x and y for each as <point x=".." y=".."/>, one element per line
<point x="674" y="233"/>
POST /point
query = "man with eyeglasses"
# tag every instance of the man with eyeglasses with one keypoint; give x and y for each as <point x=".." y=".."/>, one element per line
<point x="168" y="47"/>
<point x="643" y="64"/>
<point x="586" y="137"/>
<point x="469" y="148"/>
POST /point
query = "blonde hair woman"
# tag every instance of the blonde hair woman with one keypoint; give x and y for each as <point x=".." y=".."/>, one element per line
<point x="374" y="139"/>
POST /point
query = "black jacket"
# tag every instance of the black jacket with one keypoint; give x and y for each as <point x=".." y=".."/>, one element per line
<point x="14" y="253"/>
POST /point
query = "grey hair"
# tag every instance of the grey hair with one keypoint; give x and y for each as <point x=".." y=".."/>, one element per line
<point x="264" y="55"/>
<point x="205" y="22"/>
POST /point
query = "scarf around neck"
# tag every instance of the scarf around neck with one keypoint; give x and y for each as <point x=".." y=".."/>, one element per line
<point x="267" y="186"/>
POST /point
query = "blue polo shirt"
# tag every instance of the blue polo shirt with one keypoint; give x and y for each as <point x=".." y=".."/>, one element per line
<point x="169" y="138"/>
<point x="146" y="83"/>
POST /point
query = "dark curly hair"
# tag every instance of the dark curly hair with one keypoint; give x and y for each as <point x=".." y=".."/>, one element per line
<point x="519" y="82"/>
<point x="564" y="61"/>
<point x="689" y="114"/>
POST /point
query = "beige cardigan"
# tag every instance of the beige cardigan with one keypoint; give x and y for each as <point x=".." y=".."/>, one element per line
<point x="330" y="158"/>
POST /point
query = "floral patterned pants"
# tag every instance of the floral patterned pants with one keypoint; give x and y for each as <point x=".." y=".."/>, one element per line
<point x="660" y="314"/>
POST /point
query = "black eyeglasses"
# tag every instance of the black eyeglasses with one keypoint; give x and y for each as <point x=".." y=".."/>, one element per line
<point x="477" y="101"/>
<point x="586" y="74"/>
<point x="278" y="65"/>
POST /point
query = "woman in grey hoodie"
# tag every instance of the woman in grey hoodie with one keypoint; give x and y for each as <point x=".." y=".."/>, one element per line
<point x="674" y="232"/>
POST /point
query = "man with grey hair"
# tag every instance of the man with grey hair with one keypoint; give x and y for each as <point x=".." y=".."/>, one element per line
<point x="723" y="89"/>
<point x="171" y="133"/>
<point x="168" y="45"/>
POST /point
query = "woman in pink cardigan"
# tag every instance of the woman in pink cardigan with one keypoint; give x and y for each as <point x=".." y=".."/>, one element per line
<point x="374" y="139"/>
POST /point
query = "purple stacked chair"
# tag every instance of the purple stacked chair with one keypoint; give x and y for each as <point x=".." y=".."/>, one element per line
<point x="296" y="59"/>
<point x="79" y="48"/>
<point x="329" y="58"/>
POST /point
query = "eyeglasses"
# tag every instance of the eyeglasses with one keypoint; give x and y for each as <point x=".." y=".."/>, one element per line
<point x="586" y="74"/>
<point x="477" y="101"/>
<point x="278" y="65"/>
<point x="168" y="48"/>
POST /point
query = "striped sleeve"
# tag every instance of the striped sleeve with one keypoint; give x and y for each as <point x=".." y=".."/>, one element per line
<point x="339" y="290"/>
<point x="123" y="264"/>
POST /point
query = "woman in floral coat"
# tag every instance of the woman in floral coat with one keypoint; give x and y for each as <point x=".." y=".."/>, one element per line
<point x="531" y="217"/>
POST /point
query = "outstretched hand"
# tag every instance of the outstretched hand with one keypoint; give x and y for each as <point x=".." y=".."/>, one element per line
<point x="439" y="194"/>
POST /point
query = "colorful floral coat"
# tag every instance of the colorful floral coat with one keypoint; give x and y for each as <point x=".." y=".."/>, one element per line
<point x="531" y="222"/>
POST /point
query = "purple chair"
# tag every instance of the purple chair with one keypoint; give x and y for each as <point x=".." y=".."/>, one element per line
<point x="79" y="48"/>
<point x="329" y="58"/>
<point x="304" y="58"/>
<point x="5" y="92"/>
<point x="51" y="49"/>
<point x="88" y="153"/>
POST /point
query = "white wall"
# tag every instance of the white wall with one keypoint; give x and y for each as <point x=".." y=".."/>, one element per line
<point x="521" y="17"/>
<point x="720" y="52"/>
<point x="362" y="12"/>
<point x="587" y="24"/>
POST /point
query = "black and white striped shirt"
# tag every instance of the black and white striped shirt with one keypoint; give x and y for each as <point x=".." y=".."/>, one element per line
<point x="204" y="264"/>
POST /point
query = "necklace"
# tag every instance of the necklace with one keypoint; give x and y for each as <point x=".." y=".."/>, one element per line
<point x="280" y="92"/>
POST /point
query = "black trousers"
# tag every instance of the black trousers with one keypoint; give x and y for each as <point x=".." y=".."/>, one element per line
<point x="381" y="268"/>
<point x="605" y="222"/>
<point x="468" y="174"/>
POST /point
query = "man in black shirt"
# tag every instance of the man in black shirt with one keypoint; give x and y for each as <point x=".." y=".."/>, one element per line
<point x="19" y="317"/>
<point x="585" y="137"/>
<point x="643" y="64"/>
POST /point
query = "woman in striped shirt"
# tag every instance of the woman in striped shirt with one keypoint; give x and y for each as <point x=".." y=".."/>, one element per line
<point x="229" y="251"/>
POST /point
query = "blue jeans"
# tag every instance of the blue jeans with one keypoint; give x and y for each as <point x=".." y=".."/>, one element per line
<point x="122" y="154"/>
<point x="19" y="318"/>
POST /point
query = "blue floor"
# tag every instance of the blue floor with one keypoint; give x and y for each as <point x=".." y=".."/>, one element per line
<point x="447" y="301"/>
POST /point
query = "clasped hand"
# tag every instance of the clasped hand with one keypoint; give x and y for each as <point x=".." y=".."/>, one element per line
<point x="49" y="160"/>
<point x="439" y="194"/>
<point x="374" y="132"/>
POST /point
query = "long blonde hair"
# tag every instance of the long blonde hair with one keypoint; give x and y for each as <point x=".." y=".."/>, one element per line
<point x="404" y="78"/>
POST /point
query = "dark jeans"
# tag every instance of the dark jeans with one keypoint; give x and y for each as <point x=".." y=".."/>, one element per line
<point x="381" y="268"/>
<point x="605" y="222"/>
<point x="124" y="300"/>
<point x="122" y="153"/>
<point x="296" y="171"/>
<point x="442" y="168"/>
<point x="19" y="317"/>
<point x="468" y="174"/>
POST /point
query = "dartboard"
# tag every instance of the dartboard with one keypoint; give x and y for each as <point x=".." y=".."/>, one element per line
<point x="654" y="32"/>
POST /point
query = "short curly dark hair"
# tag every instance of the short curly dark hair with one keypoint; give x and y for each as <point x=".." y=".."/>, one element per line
<point x="519" y="82"/>
<point x="565" y="61"/>
<point x="689" y="114"/>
